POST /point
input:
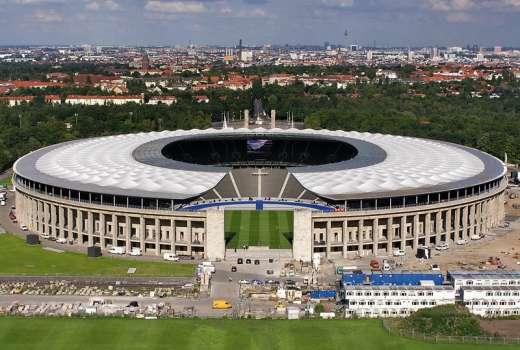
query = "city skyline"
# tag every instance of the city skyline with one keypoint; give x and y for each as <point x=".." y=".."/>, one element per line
<point x="223" y="22"/>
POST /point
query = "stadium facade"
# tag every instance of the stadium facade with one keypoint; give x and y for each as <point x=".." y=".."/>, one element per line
<point x="352" y="193"/>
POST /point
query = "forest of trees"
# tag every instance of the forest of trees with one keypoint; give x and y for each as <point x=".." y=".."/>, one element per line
<point x="422" y="110"/>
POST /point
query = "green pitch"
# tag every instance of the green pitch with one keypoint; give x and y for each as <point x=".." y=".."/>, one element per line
<point x="259" y="228"/>
<point x="127" y="334"/>
<point x="18" y="258"/>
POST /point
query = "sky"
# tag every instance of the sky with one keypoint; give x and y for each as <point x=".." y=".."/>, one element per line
<point x="412" y="23"/>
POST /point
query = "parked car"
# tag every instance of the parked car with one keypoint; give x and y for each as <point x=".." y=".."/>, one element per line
<point x="461" y="242"/>
<point x="442" y="246"/>
<point x="61" y="240"/>
<point x="243" y="282"/>
<point x="117" y="250"/>
<point x="24" y="228"/>
<point x="435" y="267"/>
<point x="269" y="272"/>
<point x="233" y="269"/>
<point x="45" y="235"/>
<point x="475" y="237"/>
<point x="399" y="252"/>
<point x="221" y="305"/>
<point x="136" y="252"/>
<point x="240" y="261"/>
<point x="2" y="202"/>
<point x="170" y="257"/>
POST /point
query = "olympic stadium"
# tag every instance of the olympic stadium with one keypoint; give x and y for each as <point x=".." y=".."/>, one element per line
<point x="349" y="194"/>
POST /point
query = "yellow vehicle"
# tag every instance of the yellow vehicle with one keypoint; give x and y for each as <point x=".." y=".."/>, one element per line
<point x="221" y="305"/>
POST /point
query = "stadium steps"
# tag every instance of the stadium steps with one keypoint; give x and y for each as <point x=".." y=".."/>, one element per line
<point x="225" y="188"/>
<point x="272" y="183"/>
<point x="261" y="254"/>
<point x="293" y="189"/>
<point x="247" y="184"/>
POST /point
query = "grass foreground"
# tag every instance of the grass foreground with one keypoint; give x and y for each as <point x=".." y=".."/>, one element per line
<point x="18" y="258"/>
<point x="6" y="181"/>
<point x="128" y="334"/>
<point x="271" y="228"/>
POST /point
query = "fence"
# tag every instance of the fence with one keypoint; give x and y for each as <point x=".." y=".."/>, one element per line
<point x="449" y="339"/>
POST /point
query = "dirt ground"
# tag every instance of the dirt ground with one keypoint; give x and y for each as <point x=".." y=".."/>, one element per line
<point x="504" y="328"/>
<point x="503" y="243"/>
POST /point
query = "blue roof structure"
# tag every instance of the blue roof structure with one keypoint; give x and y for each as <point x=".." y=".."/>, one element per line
<point x="391" y="279"/>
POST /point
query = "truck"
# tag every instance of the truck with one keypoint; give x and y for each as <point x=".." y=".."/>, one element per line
<point x="117" y="250"/>
<point x="170" y="257"/>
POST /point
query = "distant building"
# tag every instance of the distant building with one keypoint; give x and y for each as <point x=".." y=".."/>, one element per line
<point x="394" y="301"/>
<point x="53" y="99"/>
<point x="167" y="100"/>
<point x="201" y="99"/>
<point x="12" y="101"/>
<point x="103" y="100"/>
<point x="492" y="301"/>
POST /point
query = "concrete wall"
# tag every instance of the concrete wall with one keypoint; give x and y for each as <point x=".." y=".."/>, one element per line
<point x="215" y="242"/>
<point x="302" y="235"/>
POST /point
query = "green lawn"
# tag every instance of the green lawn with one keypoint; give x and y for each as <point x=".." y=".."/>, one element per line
<point x="6" y="181"/>
<point x="18" y="258"/>
<point x="259" y="228"/>
<point x="127" y="334"/>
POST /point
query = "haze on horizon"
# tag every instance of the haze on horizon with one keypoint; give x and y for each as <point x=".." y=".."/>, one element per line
<point x="257" y="22"/>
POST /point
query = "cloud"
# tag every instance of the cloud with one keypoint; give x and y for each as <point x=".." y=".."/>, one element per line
<point x="254" y="13"/>
<point x="459" y="17"/>
<point x="451" y="5"/>
<point x="38" y="2"/>
<point x="176" y="6"/>
<point x="47" y="16"/>
<point x="338" y="3"/>
<point x="97" y="5"/>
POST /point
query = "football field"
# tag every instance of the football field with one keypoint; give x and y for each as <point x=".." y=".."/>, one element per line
<point x="259" y="228"/>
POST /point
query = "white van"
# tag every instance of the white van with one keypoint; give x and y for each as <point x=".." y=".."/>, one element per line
<point x="2" y="202"/>
<point x="170" y="257"/>
<point x="117" y="250"/>
<point x="136" y="252"/>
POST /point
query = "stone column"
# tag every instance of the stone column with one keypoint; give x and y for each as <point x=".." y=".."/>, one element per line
<point x="390" y="235"/>
<point x="158" y="233"/>
<point x="403" y="232"/>
<point x="427" y="227"/>
<point x="79" y="224"/>
<point x="448" y="224"/>
<point x="128" y="232"/>
<point x="416" y="231"/>
<point x="327" y="237"/>
<point x="53" y="225"/>
<point x="46" y="218"/>
<point x="70" y="223"/>
<point x="456" y="224"/>
<point x="190" y="236"/>
<point x="345" y="238"/>
<point x="438" y="227"/>
<point x="172" y="236"/>
<point x="465" y="222"/>
<point x="142" y="233"/>
<point x="478" y="218"/>
<point x="472" y="224"/>
<point x="90" y="228"/>
<point x="360" y="237"/>
<point x="102" y="230"/>
<point x="114" y="230"/>
<point x="61" y="221"/>
<point x="375" y="236"/>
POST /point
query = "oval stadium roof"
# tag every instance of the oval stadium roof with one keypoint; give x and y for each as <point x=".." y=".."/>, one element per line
<point x="385" y="165"/>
